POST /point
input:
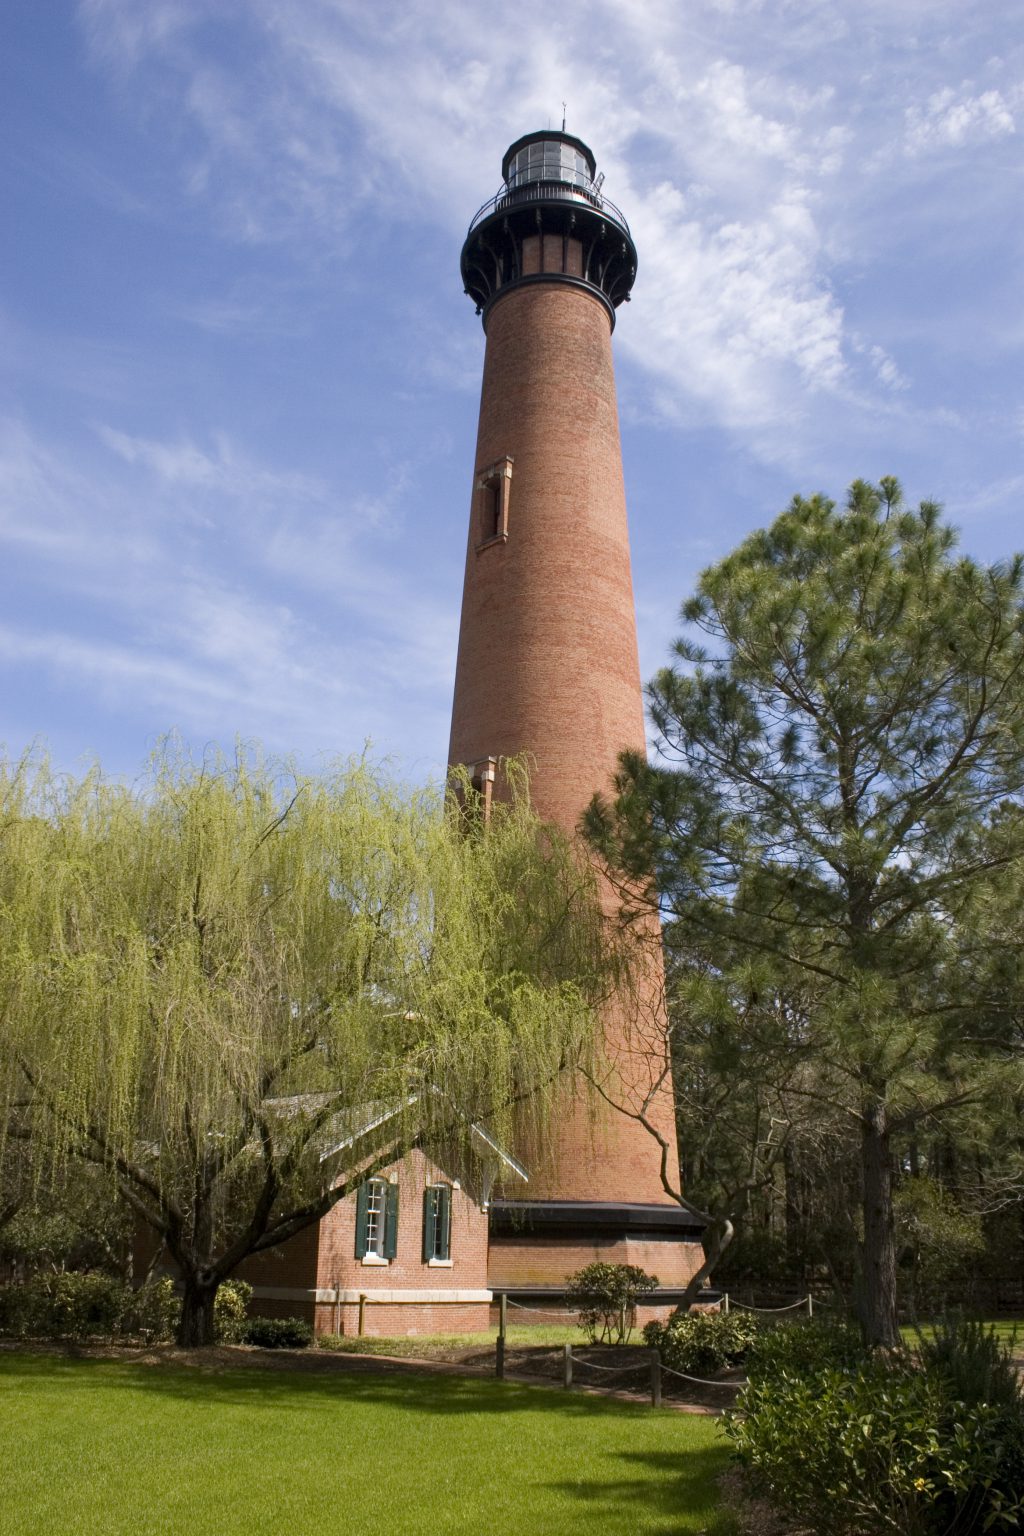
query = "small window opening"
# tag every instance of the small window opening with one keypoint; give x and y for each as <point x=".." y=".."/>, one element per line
<point x="490" y="495"/>
<point x="493" y="489"/>
<point x="473" y="791"/>
<point x="482" y="780"/>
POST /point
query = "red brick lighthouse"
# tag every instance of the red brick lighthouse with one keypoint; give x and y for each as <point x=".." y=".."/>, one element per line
<point x="547" y="662"/>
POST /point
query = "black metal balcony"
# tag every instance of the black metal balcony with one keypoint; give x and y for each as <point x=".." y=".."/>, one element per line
<point x="554" y="191"/>
<point x="549" y="192"/>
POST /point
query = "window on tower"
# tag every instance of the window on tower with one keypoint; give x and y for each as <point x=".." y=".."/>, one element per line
<point x="490" y="494"/>
<point x="492" y="497"/>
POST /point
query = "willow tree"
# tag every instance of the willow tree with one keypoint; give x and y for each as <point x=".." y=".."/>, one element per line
<point x="837" y="753"/>
<point x="212" y="971"/>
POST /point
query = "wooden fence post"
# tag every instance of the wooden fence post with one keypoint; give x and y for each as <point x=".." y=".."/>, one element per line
<point x="655" y="1379"/>
<point x="567" y="1366"/>
<point x="503" y="1313"/>
<point x="725" y="1302"/>
<point x="362" y="1313"/>
<point x="810" y="1305"/>
<point x="500" y="1357"/>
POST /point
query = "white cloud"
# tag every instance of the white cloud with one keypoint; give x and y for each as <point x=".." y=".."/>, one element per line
<point x="733" y="312"/>
<point x="887" y="369"/>
<point x="952" y="118"/>
<point x="747" y="320"/>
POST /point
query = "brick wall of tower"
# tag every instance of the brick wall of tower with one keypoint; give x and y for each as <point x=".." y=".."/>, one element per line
<point x="547" y="651"/>
<point x="548" y="666"/>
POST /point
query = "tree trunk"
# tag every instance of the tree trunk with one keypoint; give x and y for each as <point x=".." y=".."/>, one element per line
<point x="721" y="1236"/>
<point x="795" y="1244"/>
<point x="878" y="1302"/>
<point x="196" y="1326"/>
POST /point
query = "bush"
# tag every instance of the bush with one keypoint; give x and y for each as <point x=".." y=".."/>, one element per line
<point x="977" y="1367"/>
<point x="278" y="1332"/>
<point x="231" y="1311"/>
<point x="700" y="1343"/>
<point x="804" y="1348"/>
<point x="606" y="1296"/>
<point x="152" y="1311"/>
<point x="885" y="1446"/>
<point x="65" y="1305"/>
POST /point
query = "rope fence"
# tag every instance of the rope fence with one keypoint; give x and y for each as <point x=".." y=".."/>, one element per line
<point x="652" y="1366"/>
<point x="728" y="1302"/>
<point x="563" y="1317"/>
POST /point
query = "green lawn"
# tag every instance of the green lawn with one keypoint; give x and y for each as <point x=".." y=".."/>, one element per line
<point x="103" y="1448"/>
<point x="452" y="1346"/>
<point x="1008" y="1330"/>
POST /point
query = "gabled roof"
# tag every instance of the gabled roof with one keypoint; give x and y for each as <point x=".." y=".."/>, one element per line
<point x="351" y="1126"/>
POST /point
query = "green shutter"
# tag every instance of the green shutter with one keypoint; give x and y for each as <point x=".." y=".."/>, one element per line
<point x="391" y="1223"/>
<point x="362" y="1196"/>
<point x="428" y="1224"/>
<point x="444" y="1218"/>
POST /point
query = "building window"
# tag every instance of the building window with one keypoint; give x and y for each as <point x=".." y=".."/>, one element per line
<point x="377" y="1220"/>
<point x="492" y="496"/>
<point x="437" y="1224"/>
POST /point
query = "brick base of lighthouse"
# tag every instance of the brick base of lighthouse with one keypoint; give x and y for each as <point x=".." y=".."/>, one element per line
<point x="535" y="1245"/>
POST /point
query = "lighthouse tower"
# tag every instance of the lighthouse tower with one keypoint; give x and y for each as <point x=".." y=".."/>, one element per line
<point x="548" y="667"/>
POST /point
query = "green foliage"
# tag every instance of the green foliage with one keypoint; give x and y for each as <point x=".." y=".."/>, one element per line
<point x="939" y="1239"/>
<point x="804" y="1349"/>
<point x="701" y="1343"/>
<point x="65" y="1305"/>
<point x="78" y="1225"/>
<point x="71" y="1305"/>
<point x="974" y="1360"/>
<point x="605" y="1296"/>
<point x="278" y="1333"/>
<point x="151" y="1312"/>
<point x="207" y="975"/>
<point x="884" y="1446"/>
<point x="842" y="756"/>
<point x="231" y="1311"/>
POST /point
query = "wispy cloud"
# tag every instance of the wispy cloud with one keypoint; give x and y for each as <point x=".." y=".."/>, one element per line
<point x="954" y="117"/>
<point x="298" y="629"/>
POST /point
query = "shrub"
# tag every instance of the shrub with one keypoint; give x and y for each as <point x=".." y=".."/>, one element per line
<point x="701" y="1343"/>
<point x="976" y="1365"/>
<point x="606" y="1296"/>
<point x="152" y="1311"/>
<point x="231" y="1311"/>
<point x="804" y="1348"/>
<point x="64" y="1305"/>
<point x="884" y="1447"/>
<point x="278" y="1332"/>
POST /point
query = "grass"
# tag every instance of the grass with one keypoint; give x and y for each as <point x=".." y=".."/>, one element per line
<point x="92" y="1446"/>
<point x="454" y="1346"/>
<point x="1006" y="1330"/>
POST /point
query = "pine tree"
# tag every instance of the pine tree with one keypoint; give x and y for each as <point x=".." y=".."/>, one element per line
<point x="837" y="757"/>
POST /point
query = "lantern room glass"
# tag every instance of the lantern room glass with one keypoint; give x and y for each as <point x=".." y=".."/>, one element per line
<point x="549" y="160"/>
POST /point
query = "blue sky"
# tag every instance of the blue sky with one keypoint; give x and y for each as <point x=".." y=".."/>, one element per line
<point x="239" y="379"/>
